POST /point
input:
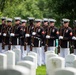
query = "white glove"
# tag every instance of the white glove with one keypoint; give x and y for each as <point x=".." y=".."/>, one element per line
<point x="12" y="34"/>
<point x="47" y="36"/>
<point x="73" y="38"/>
<point x="4" y="34"/>
<point x="0" y="33"/>
<point x="33" y="33"/>
<point x="60" y="37"/>
<point x="27" y="35"/>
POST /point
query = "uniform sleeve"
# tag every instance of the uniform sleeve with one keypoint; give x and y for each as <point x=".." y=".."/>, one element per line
<point x="21" y="32"/>
<point x="57" y="33"/>
<point x="70" y="33"/>
<point x="70" y="30"/>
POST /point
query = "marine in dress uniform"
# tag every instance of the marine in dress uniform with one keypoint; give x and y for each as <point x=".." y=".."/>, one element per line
<point x="3" y="19"/>
<point x="30" y="29"/>
<point x="65" y="37"/>
<point x="60" y="33"/>
<point x="8" y="38"/>
<point x="22" y="40"/>
<point x="52" y="35"/>
<point x="15" y="34"/>
<point x="74" y="37"/>
<point x="45" y="27"/>
<point x="37" y="40"/>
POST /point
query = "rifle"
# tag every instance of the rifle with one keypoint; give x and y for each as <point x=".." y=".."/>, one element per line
<point x="59" y="40"/>
<point x="74" y="32"/>
<point x="9" y="32"/>
<point x="3" y="42"/>
<point x="46" y="44"/>
<point x="26" y="38"/>
<point x="32" y="39"/>
<point x="25" y="42"/>
<point x="3" y="37"/>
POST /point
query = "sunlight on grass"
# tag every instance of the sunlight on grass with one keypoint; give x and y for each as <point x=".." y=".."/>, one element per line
<point x="41" y="70"/>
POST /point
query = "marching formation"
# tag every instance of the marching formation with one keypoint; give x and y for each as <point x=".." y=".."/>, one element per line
<point x="38" y="36"/>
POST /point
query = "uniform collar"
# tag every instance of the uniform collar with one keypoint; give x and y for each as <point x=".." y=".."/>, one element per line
<point x="4" y="24"/>
<point x="51" y="26"/>
<point x="65" y="27"/>
<point x="38" y="27"/>
<point x="17" y="24"/>
<point x="9" y="26"/>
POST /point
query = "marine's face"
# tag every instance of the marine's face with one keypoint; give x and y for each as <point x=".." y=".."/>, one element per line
<point x="23" y="24"/>
<point x="38" y="24"/>
<point x="9" y="23"/>
<point x="3" y="21"/>
<point x="17" y="21"/>
<point x="45" y="23"/>
<point x="52" y="23"/>
<point x="66" y="24"/>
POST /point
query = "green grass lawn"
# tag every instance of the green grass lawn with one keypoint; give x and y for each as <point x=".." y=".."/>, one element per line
<point x="41" y="70"/>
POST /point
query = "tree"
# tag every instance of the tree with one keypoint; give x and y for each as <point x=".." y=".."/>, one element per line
<point x="57" y="9"/>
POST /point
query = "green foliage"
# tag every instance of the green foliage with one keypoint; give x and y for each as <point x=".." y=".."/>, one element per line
<point x="57" y="9"/>
<point x="22" y="8"/>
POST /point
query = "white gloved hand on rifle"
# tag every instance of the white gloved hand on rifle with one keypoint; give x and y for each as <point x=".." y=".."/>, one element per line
<point x="0" y="33"/>
<point x="73" y="38"/>
<point x="4" y="34"/>
<point x="33" y="33"/>
<point x="12" y="34"/>
<point x="47" y="36"/>
<point x="27" y="35"/>
<point x="60" y="37"/>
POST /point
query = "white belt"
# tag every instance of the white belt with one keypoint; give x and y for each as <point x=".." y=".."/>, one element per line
<point x="17" y="41"/>
<point x="68" y="44"/>
<point x="54" y="43"/>
<point x="39" y="43"/>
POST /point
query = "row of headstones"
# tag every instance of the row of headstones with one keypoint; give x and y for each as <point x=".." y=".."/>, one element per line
<point x="11" y="63"/>
<point x="65" y="71"/>
<point x="53" y="62"/>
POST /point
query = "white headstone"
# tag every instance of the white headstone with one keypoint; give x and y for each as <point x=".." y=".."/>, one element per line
<point x="34" y="54"/>
<point x="55" y="63"/>
<point x="47" y="59"/>
<point x="3" y="61"/>
<point x="18" y="70"/>
<point x="10" y="58"/>
<point x="47" y="53"/>
<point x="30" y="58"/>
<point x="65" y="71"/>
<point x="17" y="55"/>
<point x="69" y="59"/>
<point x="30" y="65"/>
<point x="74" y="63"/>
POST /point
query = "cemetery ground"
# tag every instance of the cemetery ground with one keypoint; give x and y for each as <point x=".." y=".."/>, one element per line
<point x="41" y="70"/>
